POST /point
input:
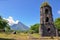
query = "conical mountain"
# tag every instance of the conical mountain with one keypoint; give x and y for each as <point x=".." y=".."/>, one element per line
<point x="20" y="26"/>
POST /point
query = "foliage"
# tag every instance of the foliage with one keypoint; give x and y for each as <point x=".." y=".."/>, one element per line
<point x="26" y="31"/>
<point x="4" y="24"/>
<point x="34" y="28"/>
<point x="31" y="31"/>
<point x="57" y="23"/>
<point x="7" y="28"/>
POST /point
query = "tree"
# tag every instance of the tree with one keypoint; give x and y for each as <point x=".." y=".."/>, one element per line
<point x="57" y="23"/>
<point x="35" y="28"/>
<point x="3" y="23"/>
<point x="7" y="28"/>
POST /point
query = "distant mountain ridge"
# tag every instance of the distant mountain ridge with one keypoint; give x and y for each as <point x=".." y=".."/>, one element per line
<point x="20" y="26"/>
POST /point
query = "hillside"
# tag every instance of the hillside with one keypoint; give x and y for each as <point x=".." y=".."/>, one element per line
<point x="20" y="26"/>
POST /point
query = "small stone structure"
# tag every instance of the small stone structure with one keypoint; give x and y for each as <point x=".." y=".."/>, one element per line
<point x="46" y="20"/>
<point x="14" y="32"/>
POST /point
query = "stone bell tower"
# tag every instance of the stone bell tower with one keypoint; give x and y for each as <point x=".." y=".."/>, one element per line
<point x="46" y="20"/>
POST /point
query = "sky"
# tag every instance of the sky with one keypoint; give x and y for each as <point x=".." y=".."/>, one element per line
<point x="26" y="11"/>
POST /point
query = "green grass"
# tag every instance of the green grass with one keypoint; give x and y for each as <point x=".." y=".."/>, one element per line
<point x="35" y="35"/>
<point x="21" y="36"/>
<point x="13" y="36"/>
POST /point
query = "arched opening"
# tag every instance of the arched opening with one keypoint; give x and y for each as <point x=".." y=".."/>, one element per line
<point x="46" y="11"/>
<point x="48" y="29"/>
<point x="47" y="19"/>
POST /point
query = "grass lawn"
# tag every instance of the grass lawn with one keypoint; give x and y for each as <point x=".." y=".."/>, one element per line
<point x="35" y="35"/>
<point x="20" y="36"/>
<point x="13" y="36"/>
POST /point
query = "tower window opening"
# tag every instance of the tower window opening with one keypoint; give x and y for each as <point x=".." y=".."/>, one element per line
<point x="47" y="19"/>
<point x="46" y="11"/>
<point x="48" y="29"/>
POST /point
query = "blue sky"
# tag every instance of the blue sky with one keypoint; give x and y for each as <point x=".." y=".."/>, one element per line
<point x="26" y="11"/>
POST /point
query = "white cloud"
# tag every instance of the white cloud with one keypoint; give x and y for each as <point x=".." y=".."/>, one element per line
<point x="11" y="21"/>
<point x="16" y="21"/>
<point x="59" y="12"/>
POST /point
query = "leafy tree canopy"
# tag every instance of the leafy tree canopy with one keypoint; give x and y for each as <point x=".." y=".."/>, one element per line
<point x="57" y="23"/>
<point x="35" y="28"/>
<point x="3" y="23"/>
